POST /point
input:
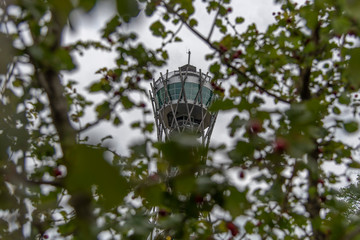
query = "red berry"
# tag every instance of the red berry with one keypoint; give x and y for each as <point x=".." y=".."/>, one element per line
<point x="113" y="75"/>
<point x="255" y="126"/>
<point x="237" y="54"/>
<point x="352" y="33"/>
<point x="233" y="228"/>
<point x="241" y="174"/>
<point x="57" y="172"/>
<point x="46" y="236"/>
<point x="109" y="40"/>
<point x="356" y="95"/>
<point x="154" y="177"/>
<point x="280" y="145"/>
<point x="163" y="213"/>
<point x="229" y="10"/>
<point x="222" y="48"/>
<point x="142" y="105"/>
<point x="199" y="199"/>
<point x="321" y="181"/>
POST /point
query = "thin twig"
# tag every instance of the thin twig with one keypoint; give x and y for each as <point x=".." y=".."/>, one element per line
<point x="174" y="35"/>
<point x="214" y="22"/>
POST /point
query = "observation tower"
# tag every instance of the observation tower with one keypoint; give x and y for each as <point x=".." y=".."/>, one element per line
<point x="180" y="101"/>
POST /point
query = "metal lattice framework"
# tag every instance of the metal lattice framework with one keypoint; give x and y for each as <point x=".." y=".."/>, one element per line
<point x="180" y="102"/>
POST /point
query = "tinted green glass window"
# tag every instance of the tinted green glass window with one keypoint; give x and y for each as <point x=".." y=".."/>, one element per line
<point x="191" y="92"/>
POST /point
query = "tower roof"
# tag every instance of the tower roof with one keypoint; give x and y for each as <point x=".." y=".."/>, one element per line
<point x="188" y="67"/>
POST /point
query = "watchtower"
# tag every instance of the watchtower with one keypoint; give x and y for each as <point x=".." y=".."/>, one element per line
<point x="180" y="101"/>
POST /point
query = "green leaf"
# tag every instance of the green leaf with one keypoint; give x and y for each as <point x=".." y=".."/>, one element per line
<point x="236" y="124"/>
<point x="117" y="121"/>
<point x="341" y="25"/>
<point x="165" y="55"/>
<point x="111" y="26"/>
<point x="351" y="127"/>
<point x="135" y="124"/>
<point x="227" y="41"/>
<point x="352" y="8"/>
<point x="336" y="110"/>
<point x="88" y="168"/>
<point x="236" y="203"/>
<point x="17" y="83"/>
<point x="354" y="165"/>
<point x="95" y="87"/>
<point x="87" y="5"/>
<point x="157" y="28"/>
<point x="6" y="52"/>
<point x="103" y="110"/>
<point x="220" y="104"/>
<point x="214" y="68"/>
<point x="127" y="8"/>
<point x="149" y="127"/>
<point x="239" y="20"/>
<point x="353" y="70"/>
<point x="126" y="102"/>
<point x="193" y="23"/>
<point x="184" y="184"/>
<point x="344" y="99"/>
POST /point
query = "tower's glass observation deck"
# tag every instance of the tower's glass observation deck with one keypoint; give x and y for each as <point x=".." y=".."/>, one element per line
<point x="180" y="102"/>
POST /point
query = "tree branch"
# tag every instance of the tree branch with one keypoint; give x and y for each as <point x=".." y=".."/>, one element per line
<point x="199" y="35"/>
<point x="214" y="23"/>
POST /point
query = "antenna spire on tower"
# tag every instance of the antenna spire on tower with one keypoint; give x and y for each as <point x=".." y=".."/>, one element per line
<point x="189" y="53"/>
